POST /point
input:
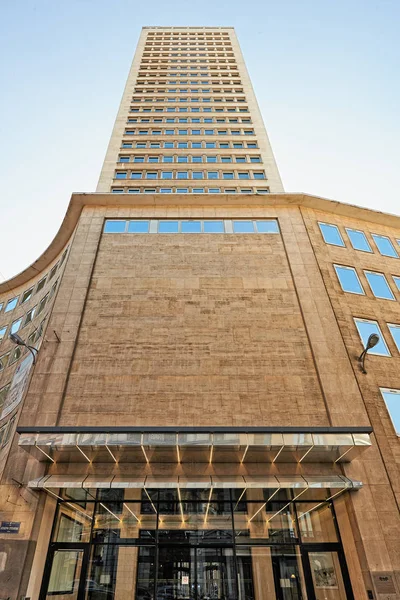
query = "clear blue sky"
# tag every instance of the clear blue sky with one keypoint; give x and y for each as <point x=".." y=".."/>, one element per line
<point x="326" y="74"/>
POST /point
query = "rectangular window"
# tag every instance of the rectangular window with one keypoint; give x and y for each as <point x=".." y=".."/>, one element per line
<point x="26" y="295"/>
<point x="11" y="304"/>
<point x="211" y="159"/>
<point x="197" y="159"/>
<point x="153" y="159"/>
<point x="166" y="174"/>
<point x="155" y="145"/>
<point x="395" y="331"/>
<point x="191" y="227"/>
<point x="255" y="159"/>
<point x="151" y="175"/>
<point x="182" y="175"/>
<point x="196" y="144"/>
<point x="169" y="145"/>
<point x="358" y="240"/>
<point x="117" y="191"/>
<point x="214" y="227"/>
<point x="238" y="145"/>
<point x="168" y="227"/>
<point x="182" y="190"/>
<point x="365" y="328"/>
<point x="243" y="175"/>
<point x="183" y="145"/>
<point x="210" y="145"/>
<point x="331" y="234"/>
<point x="141" y="144"/>
<point x="252" y="145"/>
<point x="348" y="279"/>
<point x="123" y="159"/>
<point x="138" y="226"/>
<point x="226" y="159"/>
<point x="384" y="245"/>
<point x="195" y="131"/>
<point x="114" y="226"/>
<point x="197" y="175"/>
<point x="29" y="316"/>
<point x="392" y="401"/>
<point x="165" y="190"/>
<point x="212" y="175"/>
<point x="243" y="227"/>
<point x="198" y="190"/>
<point x="168" y="159"/>
<point x="120" y="175"/>
<point x="41" y="285"/>
<point x="259" y="175"/>
<point x="133" y="191"/>
<point x="270" y="226"/>
<point x="136" y="175"/>
<point x="127" y="144"/>
<point x="379" y="286"/>
<point x="240" y="159"/>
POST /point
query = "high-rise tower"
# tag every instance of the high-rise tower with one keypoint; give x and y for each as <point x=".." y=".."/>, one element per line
<point x="183" y="413"/>
<point x="189" y="120"/>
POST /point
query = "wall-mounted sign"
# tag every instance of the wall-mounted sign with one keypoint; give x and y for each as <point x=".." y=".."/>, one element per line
<point x="9" y="526"/>
<point x="18" y="385"/>
<point x="384" y="583"/>
<point x="185" y="579"/>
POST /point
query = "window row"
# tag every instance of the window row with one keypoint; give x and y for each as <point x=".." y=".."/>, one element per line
<point x="165" y="53"/>
<point x="163" y="79"/>
<point x="9" y="358"/>
<point x="195" y="145"/>
<point x="188" y="120"/>
<point x="189" y="132"/>
<point x="212" y="90"/>
<point x="158" y="61"/>
<point x="177" y="158"/>
<point x="191" y="99"/>
<point x="193" y="109"/>
<point x="358" y="239"/>
<point x="27" y="318"/>
<point x="190" y="174"/>
<point x="350" y="282"/>
<point x="186" y="190"/>
<point x="191" y="226"/>
<point x="214" y="70"/>
<point x="13" y="302"/>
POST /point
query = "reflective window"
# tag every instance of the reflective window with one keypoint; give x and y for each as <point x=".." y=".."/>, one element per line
<point x="384" y="245"/>
<point x="165" y="190"/>
<point x="395" y="331"/>
<point x="3" y="395"/>
<point x="348" y="279"/>
<point x="191" y="227"/>
<point x="42" y="304"/>
<point x="213" y="227"/>
<point x="114" y="226"/>
<point x="138" y="227"/>
<point x="11" y="304"/>
<point x="243" y="226"/>
<point x="182" y="175"/>
<point x="212" y="174"/>
<point x="358" y="240"/>
<point x="331" y="234"/>
<point x="379" y="286"/>
<point x="166" y="175"/>
<point x="26" y="295"/>
<point x="29" y="316"/>
<point x="198" y="190"/>
<point x="4" y="362"/>
<point x="41" y="284"/>
<point x="365" y="329"/>
<point x="392" y="400"/>
<point x="15" y="326"/>
<point x="267" y="226"/>
<point x="168" y="227"/>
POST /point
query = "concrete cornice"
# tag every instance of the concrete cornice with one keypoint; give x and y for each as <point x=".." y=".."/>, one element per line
<point x="80" y="200"/>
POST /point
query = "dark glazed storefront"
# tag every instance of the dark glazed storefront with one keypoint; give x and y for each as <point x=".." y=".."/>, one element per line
<point x="197" y="544"/>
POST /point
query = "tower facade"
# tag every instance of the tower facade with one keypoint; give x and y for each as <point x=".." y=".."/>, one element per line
<point x="183" y="414"/>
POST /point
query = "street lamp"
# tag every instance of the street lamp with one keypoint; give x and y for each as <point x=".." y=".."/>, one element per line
<point x="14" y="337"/>
<point x="372" y="341"/>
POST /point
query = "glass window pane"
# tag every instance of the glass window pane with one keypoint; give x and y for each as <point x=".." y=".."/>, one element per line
<point x="395" y="331"/>
<point x="267" y="226"/>
<point x="243" y="227"/>
<point x="365" y="329"/>
<point x="3" y="395"/>
<point x="348" y="279"/>
<point x="65" y="574"/>
<point x="358" y="240"/>
<point x="2" y="332"/>
<point x="168" y="227"/>
<point x="191" y="227"/>
<point x="396" y="281"/>
<point x="11" y="304"/>
<point x="25" y="296"/>
<point x="138" y="227"/>
<point x="331" y="234"/>
<point x="213" y="227"/>
<point x="379" y="286"/>
<point x="392" y="400"/>
<point x="15" y="326"/>
<point x="114" y="226"/>
<point x="384" y="245"/>
<point x="327" y="575"/>
<point x="73" y="523"/>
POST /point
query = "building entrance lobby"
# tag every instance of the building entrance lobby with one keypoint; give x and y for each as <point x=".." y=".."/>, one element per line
<point x="196" y="543"/>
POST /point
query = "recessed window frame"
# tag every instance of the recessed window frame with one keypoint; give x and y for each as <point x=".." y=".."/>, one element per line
<point x="335" y="266"/>
<point x="378" y="331"/>
<point x="367" y="272"/>
<point x="362" y="233"/>
<point x="322" y="225"/>
<point x="394" y="418"/>
<point x="377" y="237"/>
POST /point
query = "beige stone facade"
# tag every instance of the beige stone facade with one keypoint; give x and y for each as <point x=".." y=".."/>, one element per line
<point x="201" y="316"/>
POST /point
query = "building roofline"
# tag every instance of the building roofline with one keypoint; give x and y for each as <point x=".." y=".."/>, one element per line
<point x="80" y="199"/>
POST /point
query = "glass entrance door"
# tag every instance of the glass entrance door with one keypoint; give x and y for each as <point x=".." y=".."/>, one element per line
<point x="326" y="573"/>
<point x="65" y="573"/>
<point x="196" y="573"/>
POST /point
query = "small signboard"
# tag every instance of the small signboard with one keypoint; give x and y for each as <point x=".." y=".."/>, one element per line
<point x="384" y="583"/>
<point x="9" y="526"/>
<point x="185" y="579"/>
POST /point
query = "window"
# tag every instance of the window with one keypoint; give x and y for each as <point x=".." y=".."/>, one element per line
<point x="151" y="175"/>
<point x="240" y="159"/>
<point x="182" y="175"/>
<point x="210" y="145"/>
<point x="227" y="175"/>
<point x="197" y="175"/>
<point x="123" y="159"/>
<point x="26" y="295"/>
<point x="395" y="331"/>
<point x="358" y="240"/>
<point x="214" y="190"/>
<point x="168" y="227"/>
<point x="198" y="190"/>
<point x="138" y="159"/>
<point x="379" y="286"/>
<point x="331" y="234"/>
<point x="165" y="190"/>
<point x="183" y="145"/>
<point x="41" y="284"/>
<point x="29" y="316"/>
<point x="212" y="175"/>
<point x="384" y="245"/>
<point x="392" y="401"/>
<point x="127" y="144"/>
<point x="396" y="281"/>
<point x="168" y="159"/>
<point x="238" y="145"/>
<point x="140" y="144"/>
<point x="214" y="227"/>
<point x="136" y="175"/>
<point x="11" y="304"/>
<point x="365" y="328"/>
<point x="53" y="271"/>
<point x="252" y="145"/>
<point x="3" y="394"/>
<point x="211" y="159"/>
<point x="16" y="325"/>
<point x="169" y="145"/>
<point x="117" y="190"/>
<point x="255" y="159"/>
<point x="195" y="131"/>
<point x="196" y="144"/>
<point x="191" y="227"/>
<point x="2" y="332"/>
<point x="153" y="159"/>
<point x="114" y="226"/>
<point x="348" y="279"/>
<point x="133" y="191"/>
<point x="243" y="175"/>
<point x="209" y="131"/>
<point x="267" y="226"/>
<point x="120" y="175"/>
<point x="243" y="227"/>
<point x="182" y="190"/>
<point x="182" y="159"/>
<point x="166" y="174"/>
<point x="259" y="175"/>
